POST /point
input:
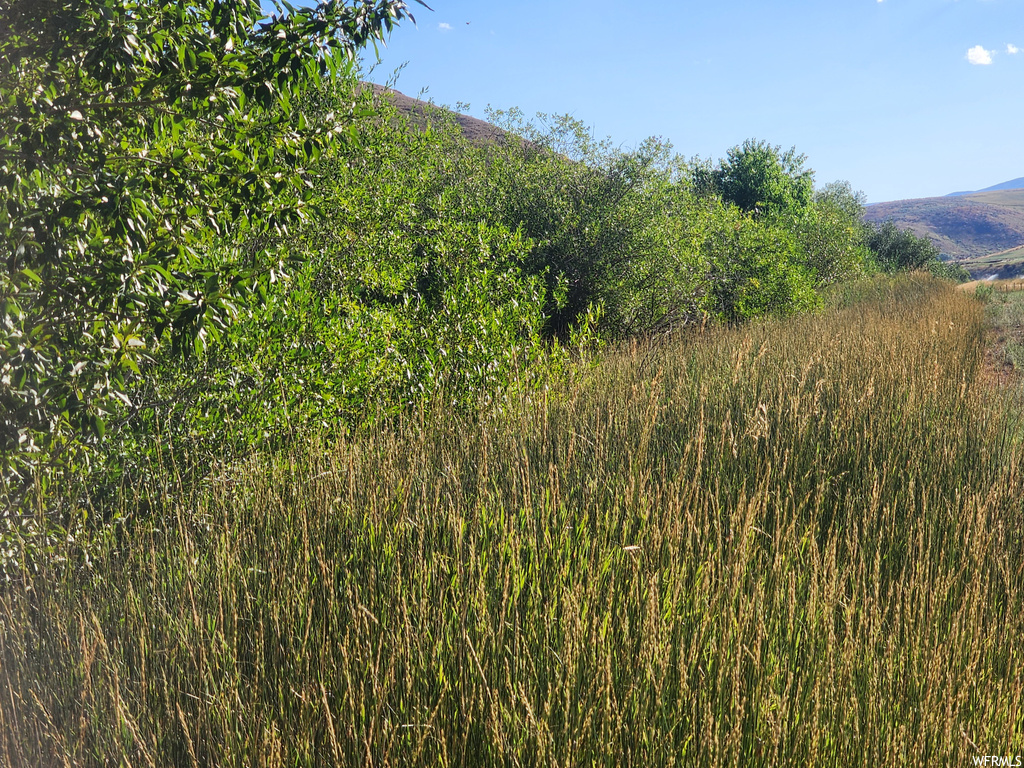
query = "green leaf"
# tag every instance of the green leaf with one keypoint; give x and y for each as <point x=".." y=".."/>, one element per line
<point x="130" y="363"/>
<point x="102" y="228"/>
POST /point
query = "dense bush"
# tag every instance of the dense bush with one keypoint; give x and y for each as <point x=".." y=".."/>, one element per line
<point x="423" y="265"/>
<point x="949" y="270"/>
<point x="599" y="218"/>
<point x="816" y="239"/>
<point x="639" y="234"/>
<point x="900" y="249"/>
<point x="145" y="150"/>
<point x="432" y="266"/>
<point x="753" y="267"/>
<point x="392" y="291"/>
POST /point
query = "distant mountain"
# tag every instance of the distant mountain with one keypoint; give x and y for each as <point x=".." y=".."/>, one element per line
<point x="962" y="226"/>
<point x="1012" y="184"/>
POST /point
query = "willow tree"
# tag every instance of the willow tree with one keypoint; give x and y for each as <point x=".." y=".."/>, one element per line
<point x="134" y="136"/>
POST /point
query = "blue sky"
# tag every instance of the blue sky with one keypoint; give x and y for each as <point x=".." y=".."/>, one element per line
<point x="902" y="98"/>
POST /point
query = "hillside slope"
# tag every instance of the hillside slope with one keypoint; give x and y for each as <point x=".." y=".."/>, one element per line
<point x="961" y="226"/>
<point x="474" y="129"/>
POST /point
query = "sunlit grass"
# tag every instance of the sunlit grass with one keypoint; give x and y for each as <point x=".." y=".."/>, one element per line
<point x="794" y="543"/>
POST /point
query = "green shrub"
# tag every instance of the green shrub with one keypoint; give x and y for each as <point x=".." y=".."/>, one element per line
<point x="753" y="267"/>
<point x="134" y="137"/>
<point x="949" y="270"/>
<point x="899" y="249"/>
<point x="390" y="293"/>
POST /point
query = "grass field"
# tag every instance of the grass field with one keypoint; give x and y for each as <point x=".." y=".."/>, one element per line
<point x="992" y="286"/>
<point x="795" y="543"/>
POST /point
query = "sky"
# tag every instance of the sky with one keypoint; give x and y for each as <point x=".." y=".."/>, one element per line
<point x="902" y="98"/>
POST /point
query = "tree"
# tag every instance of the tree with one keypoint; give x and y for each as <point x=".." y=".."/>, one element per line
<point x="759" y="178"/>
<point x="831" y="235"/>
<point x="753" y="266"/>
<point x="841" y="196"/>
<point x="597" y="217"/>
<point x="151" y="155"/>
<point x="898" y="249"/>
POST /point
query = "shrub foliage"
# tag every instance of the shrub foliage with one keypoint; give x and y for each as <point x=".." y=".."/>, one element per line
<point x="217" y="235"/>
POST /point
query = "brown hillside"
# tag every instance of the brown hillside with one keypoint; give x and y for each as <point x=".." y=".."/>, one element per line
<point x="477" y="131"/>
<point x="961" y="226"/>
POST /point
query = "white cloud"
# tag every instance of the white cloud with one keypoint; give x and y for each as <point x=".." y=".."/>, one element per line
<point x="444" y="26"/>
<point x="978" y="55"/>
<point x="1011" y="48"/>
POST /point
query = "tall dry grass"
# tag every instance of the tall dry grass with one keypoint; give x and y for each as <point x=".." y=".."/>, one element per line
<point x="796" y="543"/>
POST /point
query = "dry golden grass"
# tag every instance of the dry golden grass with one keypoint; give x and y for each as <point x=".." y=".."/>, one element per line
<point x="998" y="286"/>
<point x="797" y="543"/>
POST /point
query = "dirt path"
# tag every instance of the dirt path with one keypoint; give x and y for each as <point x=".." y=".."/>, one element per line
<point x="1004" y="337"/>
